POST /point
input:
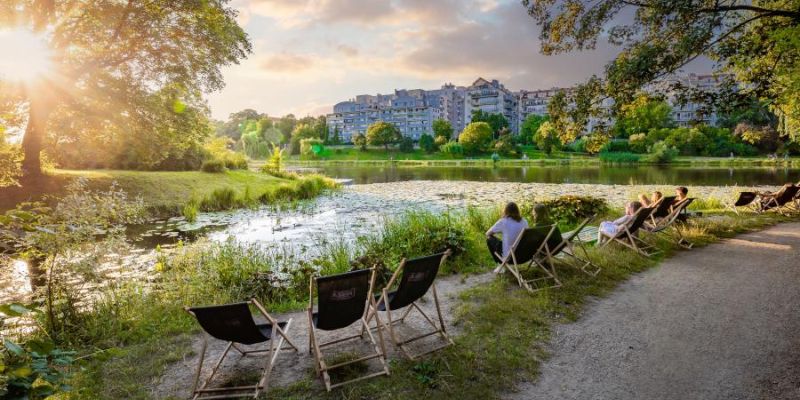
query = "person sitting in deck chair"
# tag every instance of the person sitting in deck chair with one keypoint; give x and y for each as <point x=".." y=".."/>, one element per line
<point x="509" y="226"/>
<point x="655" y="198"/>
<point x="612" y="228"/>
<point x="540" y="215"/>
<point x="646" y="202"/>
<point x="681" y="194"/>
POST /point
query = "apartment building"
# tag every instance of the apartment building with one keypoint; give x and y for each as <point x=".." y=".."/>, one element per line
<point x="405" y="111"/>
<point x="491" y="97"/>
<point x="690" y="114"/>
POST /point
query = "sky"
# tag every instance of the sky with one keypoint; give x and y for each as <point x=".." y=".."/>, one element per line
<point x="310" y="54"/>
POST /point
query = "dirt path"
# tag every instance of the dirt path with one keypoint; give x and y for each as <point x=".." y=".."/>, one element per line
<point x="721" y="322"/>
<point x="292" y="367"/>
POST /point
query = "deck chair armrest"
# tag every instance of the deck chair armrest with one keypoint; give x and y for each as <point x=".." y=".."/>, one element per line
<point x="264" y="312"/>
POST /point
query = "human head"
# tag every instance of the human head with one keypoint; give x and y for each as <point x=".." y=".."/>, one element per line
<point x="632" y="207"/>
<point x="681" y="191"/>
<point x="657" y="195"/>
<point x="540" y="212"/>
<point x="643" y="198"/>
<point x="512" y="211"/>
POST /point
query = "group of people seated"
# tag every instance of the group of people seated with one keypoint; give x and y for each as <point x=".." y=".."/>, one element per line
<point x="512" y="223"/>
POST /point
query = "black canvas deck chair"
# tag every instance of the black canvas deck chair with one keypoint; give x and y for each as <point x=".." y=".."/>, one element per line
<point x="343" y="300"/>
<point x="781" y="201"/>
<point x="663" y="225"/>
<point x="662" y="208"/>
<point x="745" y="199"/>
<point x="528" y="252"/>
<point x="234" y="324"/>
<point x="416" y="278"/>
<point x="627" y="236"/>
<point x="566" y="245"/>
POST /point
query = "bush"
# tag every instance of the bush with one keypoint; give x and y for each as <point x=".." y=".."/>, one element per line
<point x="577" y="146"/>
<point x="569" y="210"/>
<point x="360" y="141"/>
<point x="505" y="146"/>
<point x="546" y="138"/>
<point x="638" y="143"/>
<point x="661" y="153"/>
<point x="406" y="144"/>
<point x="452" y="148"/>
<point x="310" y="147"/>
<point x="235" y="161"/>
<point x="595" y="142"/>
<point x="619" y="157"/>
<point x="213" y="166"/>
<point x="426" y="143"/>
<point x="616" y="146"/>
<point x="476" y="138"/>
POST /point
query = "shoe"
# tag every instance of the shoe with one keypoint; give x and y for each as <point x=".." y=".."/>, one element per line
<point x="498" y="270"/>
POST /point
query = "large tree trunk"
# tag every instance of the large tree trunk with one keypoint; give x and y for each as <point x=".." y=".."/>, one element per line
<point x="34" y="136"/>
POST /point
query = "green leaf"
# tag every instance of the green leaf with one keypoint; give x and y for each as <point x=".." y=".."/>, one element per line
<point x="41" y="347"/>
<point x="14" y="309"/>
<point x="13" y="347"/>
<point x="22" y="372"/>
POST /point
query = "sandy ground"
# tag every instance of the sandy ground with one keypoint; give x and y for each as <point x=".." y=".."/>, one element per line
<point x="722" y="322"/>
<point x="292" y="366"/>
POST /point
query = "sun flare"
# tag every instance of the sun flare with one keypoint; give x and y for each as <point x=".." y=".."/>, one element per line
<point x="25" y="56"/>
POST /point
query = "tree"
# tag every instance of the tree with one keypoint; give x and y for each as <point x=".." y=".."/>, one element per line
<point x="406" y="145"/>
<point x="321" y="128"/>
<point x="442" y="128"/>
<point x="361" y="141"/>
<point x="114" y="63"/>
<point x="495" y="121"/>
<point x="530" y="126"/>
<point x="546" y="138"/>
<point x="237" y="123"/>
<point x="642" y="115"/>
<point x="476" y="137"/>
<point x="750" y="40"/>
<point x="337" y="138"/>
<point x="286" y="126"/>
<point x="300" y="132"/>
<point x="383" y="134"/>
<point x="426" y="143"/>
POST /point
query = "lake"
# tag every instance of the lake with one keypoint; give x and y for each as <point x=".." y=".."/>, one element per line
<point x="600" y="174"/>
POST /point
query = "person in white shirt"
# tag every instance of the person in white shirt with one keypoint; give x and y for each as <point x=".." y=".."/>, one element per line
<point x="509" y="227"/>
<point x="612" y="228"/>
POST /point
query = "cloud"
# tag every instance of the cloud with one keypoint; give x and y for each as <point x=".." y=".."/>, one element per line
<point x="347" y="50"/>
<point x="287" y="63"/>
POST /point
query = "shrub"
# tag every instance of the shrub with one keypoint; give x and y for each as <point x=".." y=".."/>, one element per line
<point x="569" y="210"/>
<point x="577" y="146"/>
<point x="213" y="166"/>
<point x="426" y="143"/>
<point x="220" y="199"/>
<point x="310" y="147"/>
<point x="406" y="144"/>
<point x="235" y="161"/>
<point x="505" y="146"/>
<point x="360" y="141"/>
<point x="595" y="142"/>
<point x="661" y="153"/>
<point x="616" y="146"/>
<point x="190" y="209"/>
<point x="452" y="148"/>
<point x="619" y="157"/>
<point x="440" y="141"/>
<point x="476" y="138"/>
<point x="638" y="143"/>
<point x="546" y="138"/>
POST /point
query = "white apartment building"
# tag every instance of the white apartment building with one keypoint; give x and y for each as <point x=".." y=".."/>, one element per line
<point x="491" y="97"/>
<point x="689" y="114"/>
<point x="407" y="113"/>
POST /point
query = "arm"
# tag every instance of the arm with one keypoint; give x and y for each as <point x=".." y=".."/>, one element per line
<point x="496" y="228"/>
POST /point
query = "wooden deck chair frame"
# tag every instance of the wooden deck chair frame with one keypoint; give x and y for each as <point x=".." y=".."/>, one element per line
<point x="567" y="247"/>
<point x="510" y="263"/>
<point x="315" y="346"/>
<point x="627" y="236"/>
<point x="671" y="221"/>
<point x="742" y="202"/>
<point x="774" y="201"/>
<point x="664" y="204"/>
<point x="440" y="329"/>
<point x="201" y="391"/>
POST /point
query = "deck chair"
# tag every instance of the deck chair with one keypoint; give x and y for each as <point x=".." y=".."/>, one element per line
<point x="529" y="251"/>
<point x="781" y="200"/>
<point x="343" y="300"/>
<point x="416" y="277"/>
<point x="661" y="209"/>
<point x="672" y="221"/>
<point x="234" y="324"/>
<point x="745" y="199"/>
<point x="565" y="245"/>
<point x="627" y="235"/>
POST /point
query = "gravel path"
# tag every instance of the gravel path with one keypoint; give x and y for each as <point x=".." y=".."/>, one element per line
<point x="722" y="322"/>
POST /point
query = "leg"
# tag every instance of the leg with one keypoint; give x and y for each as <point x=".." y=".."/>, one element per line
<point x="495" y="247"/>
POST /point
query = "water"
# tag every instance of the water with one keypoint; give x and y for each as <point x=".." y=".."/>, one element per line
<point x="602" y="174"/>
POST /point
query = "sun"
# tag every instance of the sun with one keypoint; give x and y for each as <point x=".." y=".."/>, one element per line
<point x="24" y="56"/>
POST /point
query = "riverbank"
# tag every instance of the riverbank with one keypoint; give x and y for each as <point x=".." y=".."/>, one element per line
<point x="163" y="192"/>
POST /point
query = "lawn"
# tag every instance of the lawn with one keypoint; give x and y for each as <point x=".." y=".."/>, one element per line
<point x="161" y="190"/>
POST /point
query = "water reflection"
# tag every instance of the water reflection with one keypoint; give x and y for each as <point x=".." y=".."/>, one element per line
<point x="611" y="175"/>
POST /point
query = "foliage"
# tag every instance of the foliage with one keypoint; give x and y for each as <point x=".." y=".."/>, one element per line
<point x="452" y="148"/>
<point x="530" y="127"/>
<point x="217" y="149"/>
<point x="748" y="40"/>
<point x="616" y="145"/>
<point x="476" y="138"/>
<point x="426" y="143"/>
<point x="213" y="166"/>
<point x="504" y="145"/>
<point x="642" y="115"/>
<point x="442" y="128"/>
<point x="546" y="138"/>
<point x="568" y="210"/>
<point x="661" y="153"/>
<point x="406" y="145"/>
<point x="361" y="141"/>
<point x="496" y="121"/>
<point x="301" y="131"/>
<point x="274" y="163"/>
<point x="383" y="134"/>
<point x="595" y="142"/>
<point x="32" y="370"/>
<point x="440" y="141"/>
<point x="123" y="84"/>
<point x="337" y="137"/>
<point x="622" y="157"/>
<point x="311" y="147"/>
<point x="765" y="137"/>
<point x="638" y="143"/>
<point x="10" y="158"/>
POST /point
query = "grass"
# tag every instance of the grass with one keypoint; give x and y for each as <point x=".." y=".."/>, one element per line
<point x="163" y="191"/>
<point x="503" y="329"/>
